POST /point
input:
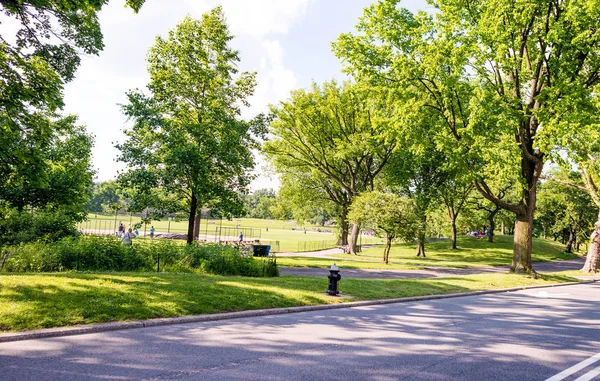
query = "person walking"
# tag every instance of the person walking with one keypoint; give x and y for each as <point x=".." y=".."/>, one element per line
<point x="128" y="237"/>
<point x="152" y="232"/>
<point x="241" y="237"/>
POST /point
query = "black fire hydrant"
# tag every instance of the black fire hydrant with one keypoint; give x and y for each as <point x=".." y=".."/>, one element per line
<point x="334" y="277"/>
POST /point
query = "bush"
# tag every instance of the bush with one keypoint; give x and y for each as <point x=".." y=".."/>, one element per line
<point x="21" y="227"/>
<point x="83" y="253"/>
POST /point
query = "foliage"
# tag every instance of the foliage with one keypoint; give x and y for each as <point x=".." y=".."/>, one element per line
<point x="305" y="198"/>
<point x="43" y="224"/>
<point x="389" y="215"/>
<point x="105" y="197"/>
<point x="67" y="173"/>
<point x="329" y="138"/>
<point x="109" y="254"/>
<point x="418" y="173"/>
<point x="259" y="203"/>
<point x="563" y="209"/>
<point x="493" y="72"/>
<point x="35" y="67"/>
<point x="188" y="141"/>
<point x="48" y="206"/>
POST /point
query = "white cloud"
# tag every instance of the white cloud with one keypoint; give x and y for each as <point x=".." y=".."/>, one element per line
<point x="258" y="18"/>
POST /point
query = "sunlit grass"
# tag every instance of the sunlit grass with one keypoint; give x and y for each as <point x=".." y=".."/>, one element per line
<point x="52" y="300"/>
<point x="472" y="252"/>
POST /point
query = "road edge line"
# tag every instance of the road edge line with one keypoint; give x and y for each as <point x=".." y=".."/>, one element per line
<point x="117" y="326"/>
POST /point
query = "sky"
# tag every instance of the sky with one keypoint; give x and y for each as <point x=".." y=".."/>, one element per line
<point x="288" y="42"/>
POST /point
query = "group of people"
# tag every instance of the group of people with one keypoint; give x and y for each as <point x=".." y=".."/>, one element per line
<point x="485" y="232"/>
<point x="127" y="235"/>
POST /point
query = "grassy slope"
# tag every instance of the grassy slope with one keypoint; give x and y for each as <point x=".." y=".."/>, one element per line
<point x="32" y="301"/>
<point x="472" y="252"/>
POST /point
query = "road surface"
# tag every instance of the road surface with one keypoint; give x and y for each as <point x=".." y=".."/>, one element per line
<point x="540" y="334"/>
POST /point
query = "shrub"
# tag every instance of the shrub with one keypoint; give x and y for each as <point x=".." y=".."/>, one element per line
<point x="21" y="227"/>
<point x="83" y="253"/>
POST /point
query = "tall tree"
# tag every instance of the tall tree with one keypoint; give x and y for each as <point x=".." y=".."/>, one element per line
<point x="454" y="193"/>
<point x="518" y="65"/>
<point x="188" y="139"/>
<point x="417" y="169"/>
<point x="334" y="131"/>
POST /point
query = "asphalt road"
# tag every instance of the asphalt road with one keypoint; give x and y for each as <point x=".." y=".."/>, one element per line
<point x="525" y="335"/>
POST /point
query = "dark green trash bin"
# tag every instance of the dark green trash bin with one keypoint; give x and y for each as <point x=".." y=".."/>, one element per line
<point x="260" y="250"/>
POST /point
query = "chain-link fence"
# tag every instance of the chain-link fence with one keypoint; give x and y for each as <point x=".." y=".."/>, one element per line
<point x="316" y="245"/>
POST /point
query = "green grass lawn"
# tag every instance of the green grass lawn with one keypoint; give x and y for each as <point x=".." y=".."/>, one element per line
<point x="280" y="233"/>
<point x="472" y="252"/>
<point x="33" y="301"/>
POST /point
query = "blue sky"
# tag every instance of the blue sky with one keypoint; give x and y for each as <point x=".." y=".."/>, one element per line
<point x="288" y="42"/>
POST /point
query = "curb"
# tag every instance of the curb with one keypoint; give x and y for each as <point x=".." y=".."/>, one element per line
<point x="105" y="327"/>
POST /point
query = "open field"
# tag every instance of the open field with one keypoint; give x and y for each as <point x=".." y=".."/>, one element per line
<point x="472" y="252"/>
<point x="33" y="301"/>
<point x="289" y="236"/>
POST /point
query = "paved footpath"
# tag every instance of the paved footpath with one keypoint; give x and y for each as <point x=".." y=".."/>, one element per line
<point x="430" y="272"/>
<point x="540" y="334"/>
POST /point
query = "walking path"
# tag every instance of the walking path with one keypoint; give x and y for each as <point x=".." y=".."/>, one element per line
<point x="430" y="272"/>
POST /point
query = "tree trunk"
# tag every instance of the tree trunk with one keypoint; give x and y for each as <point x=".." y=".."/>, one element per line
<point x="354" y="239"/>
<point x="592" y="262"/>
<point x="421" y="245"/>
<point x="421" y="237"/>
<point x="386" y="250"/>
<point x="491" y="218"/>
<point x="569" y="248"/>
<point x="453" y="236"/>
<point x="521" y="261"/>
<point x="343" y="238"/>
<point x="197" y="221"/>
<point x="192" y="218"/>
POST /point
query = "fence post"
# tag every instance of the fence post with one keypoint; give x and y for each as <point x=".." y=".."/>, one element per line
<point x="116" y="215"/>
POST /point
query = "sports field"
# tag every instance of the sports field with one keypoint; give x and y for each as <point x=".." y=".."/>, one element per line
<point x="283" y="236"/>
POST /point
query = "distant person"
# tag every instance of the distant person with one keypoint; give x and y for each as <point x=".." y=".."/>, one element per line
<point x="304" y="230"/>
<point x="128" y="237"/>
<point x="137" y="232"/>
<point x="152" y="232"/>
<point x="241" y="237"/>
<point x="267" y="228"/>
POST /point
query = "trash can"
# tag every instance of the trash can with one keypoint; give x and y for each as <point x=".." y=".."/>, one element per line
<point x="261" y="250"/>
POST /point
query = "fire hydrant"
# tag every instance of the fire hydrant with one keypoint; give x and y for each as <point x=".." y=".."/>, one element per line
<point x="334" y="277"/>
